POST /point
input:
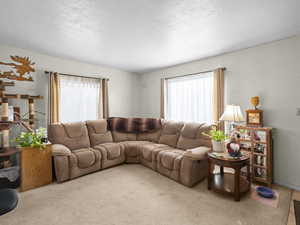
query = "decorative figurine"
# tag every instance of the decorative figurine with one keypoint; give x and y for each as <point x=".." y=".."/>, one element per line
<point x="233" y="149"/>
<point x="255" y="101"/>
<point x="254" y="117"/>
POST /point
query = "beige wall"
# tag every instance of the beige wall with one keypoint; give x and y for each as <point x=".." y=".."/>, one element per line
<point x="121" y="84"/>
<point x="271" y="71"/>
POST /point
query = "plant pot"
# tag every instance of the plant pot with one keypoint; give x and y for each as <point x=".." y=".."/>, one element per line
<point x="218" y="146"/>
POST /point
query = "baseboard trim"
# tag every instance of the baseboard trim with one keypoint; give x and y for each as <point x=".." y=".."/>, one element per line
<point x="291" y="186"/>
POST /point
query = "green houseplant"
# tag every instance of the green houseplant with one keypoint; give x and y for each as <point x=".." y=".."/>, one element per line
<point x="218" y="138"/>
<point x="35" y="139"/>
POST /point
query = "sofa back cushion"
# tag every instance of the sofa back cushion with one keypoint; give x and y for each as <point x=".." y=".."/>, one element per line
<point x="122" y="136"/>
<point x="191" y="136"/>
<point x="170" y="133"/>
<point x="72" y="135"/>
<point x="149" y="136"/>
<point x="98" y="132"/>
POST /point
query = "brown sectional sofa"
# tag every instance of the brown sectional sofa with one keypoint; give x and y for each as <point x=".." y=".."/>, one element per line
<point x="176" y="150"/>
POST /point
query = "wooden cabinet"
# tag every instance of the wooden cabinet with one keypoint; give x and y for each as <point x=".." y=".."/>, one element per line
<point x="36" y="167"/>
<point x="258" y="142"/>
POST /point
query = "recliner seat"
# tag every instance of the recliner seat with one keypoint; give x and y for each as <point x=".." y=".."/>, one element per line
<point x="73" y="155"/>
<point x="176" y="150"/>
<point x="102" y="140"/>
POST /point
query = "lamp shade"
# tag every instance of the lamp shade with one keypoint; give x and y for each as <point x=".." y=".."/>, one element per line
<point x="232" y="113"/>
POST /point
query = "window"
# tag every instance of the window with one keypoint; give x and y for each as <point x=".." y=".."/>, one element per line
<point x="79" y="99"/>
<point x="190" y="98"/>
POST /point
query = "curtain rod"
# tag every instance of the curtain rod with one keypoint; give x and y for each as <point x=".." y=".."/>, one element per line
<point x="72" y="75"/>
<point x="190" y="74"/>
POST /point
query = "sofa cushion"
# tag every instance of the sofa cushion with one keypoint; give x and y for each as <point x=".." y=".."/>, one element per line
<point x="199" y="153"/>
<point x="190" y="130"/>
<point x="170" y="133"/>
<point x="60" y="150"/>
<point x="74" y="130"/>
<point x="148" y="151"/>
<point x="169" y="139"/>
<point x="97" y="126"/>
<point x="170" y="159"/>
<point x="72" y="135"/>
<point x="101" y="138"/>
<point x="191" y="136"/>
<point x="187" y="143"/>
<point x="98" y="132"/>
<point x="149" y="136"/>
<point x="132" y="148"/>
<point x="113" y="150"/>
<point x="85" y="157"/>
<point x="122" y="136"/>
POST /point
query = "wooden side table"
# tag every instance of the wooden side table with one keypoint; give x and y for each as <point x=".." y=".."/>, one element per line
<point x="36" y="167"/>
<point x="228" y="183"/>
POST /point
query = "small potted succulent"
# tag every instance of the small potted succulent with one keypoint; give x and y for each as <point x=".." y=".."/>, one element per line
<point x="218" y="138"/>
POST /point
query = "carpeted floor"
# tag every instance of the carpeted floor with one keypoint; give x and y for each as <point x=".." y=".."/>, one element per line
<point x="135" y="195"/>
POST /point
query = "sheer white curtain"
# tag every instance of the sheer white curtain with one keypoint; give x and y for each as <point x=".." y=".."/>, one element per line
<point x="79" y="99"/>
<point x="190" y="98"/>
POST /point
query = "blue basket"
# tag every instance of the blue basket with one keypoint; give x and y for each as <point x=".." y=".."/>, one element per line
<point x="265" y="192"/>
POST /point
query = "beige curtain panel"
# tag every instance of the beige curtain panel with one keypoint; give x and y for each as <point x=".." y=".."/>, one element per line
<point x="218" y="95"/>
<point x="104" y="94"/>
<point x="162" y="97"/>
<point x="54" y="98"/>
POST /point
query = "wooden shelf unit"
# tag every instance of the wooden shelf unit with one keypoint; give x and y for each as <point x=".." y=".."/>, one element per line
<point x="259" y="143"/>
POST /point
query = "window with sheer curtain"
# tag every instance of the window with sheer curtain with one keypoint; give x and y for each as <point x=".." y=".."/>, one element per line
<point x="190" y="98"/>
<point x="80" y="99"/>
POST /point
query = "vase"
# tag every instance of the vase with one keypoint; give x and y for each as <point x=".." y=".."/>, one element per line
<point x="218" y="146"/>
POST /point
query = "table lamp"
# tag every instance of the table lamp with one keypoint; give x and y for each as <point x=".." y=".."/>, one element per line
<point x="232" y="114"/>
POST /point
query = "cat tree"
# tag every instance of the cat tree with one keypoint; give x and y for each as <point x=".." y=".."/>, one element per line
<point x="5" y="123"/>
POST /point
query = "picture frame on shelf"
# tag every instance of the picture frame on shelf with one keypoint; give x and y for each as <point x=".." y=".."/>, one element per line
<point x="254" y="117"/>
<point x="260" y="148"/>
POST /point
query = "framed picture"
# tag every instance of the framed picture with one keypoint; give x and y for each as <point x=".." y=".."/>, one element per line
<point x="254" y="117"/>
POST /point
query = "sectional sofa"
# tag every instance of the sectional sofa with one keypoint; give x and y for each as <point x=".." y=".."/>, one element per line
<point x="176" y="150"/>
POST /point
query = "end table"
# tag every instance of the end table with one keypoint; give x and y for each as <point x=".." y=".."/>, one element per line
<point x="228" y="183"/>
<point x="36" y="167"/>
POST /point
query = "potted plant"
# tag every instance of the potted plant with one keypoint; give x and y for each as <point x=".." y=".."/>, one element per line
<point x="35" y="139"/>
<point x="35" y="159"/>
<point x="218" y="138"/>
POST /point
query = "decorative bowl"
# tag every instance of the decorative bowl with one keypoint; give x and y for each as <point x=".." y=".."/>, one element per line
<point x="265" y="192"/>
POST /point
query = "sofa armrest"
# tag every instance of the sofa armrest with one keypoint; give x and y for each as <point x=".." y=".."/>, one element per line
<point x="60" y="150"/>
<point x="198" y="153"/>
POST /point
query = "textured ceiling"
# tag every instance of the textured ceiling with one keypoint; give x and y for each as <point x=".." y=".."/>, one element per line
<point x="144" y="35"/>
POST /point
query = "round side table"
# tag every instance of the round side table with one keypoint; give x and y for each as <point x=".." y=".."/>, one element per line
<point x="228" y="183"/>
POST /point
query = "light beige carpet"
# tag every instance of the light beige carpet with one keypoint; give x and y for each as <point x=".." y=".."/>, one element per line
<point x="135" y="195"/>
